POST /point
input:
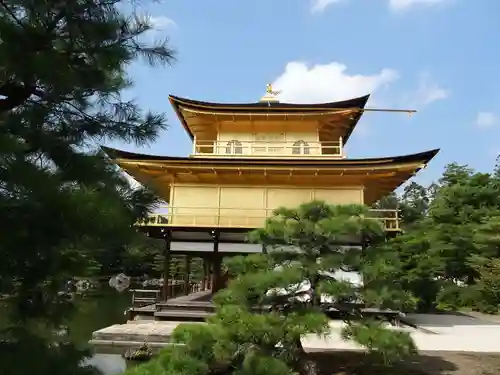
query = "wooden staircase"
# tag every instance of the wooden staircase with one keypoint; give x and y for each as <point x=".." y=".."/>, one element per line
<point x="191" y="308"/>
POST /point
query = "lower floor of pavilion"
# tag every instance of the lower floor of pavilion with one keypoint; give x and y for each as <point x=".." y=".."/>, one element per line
<point x="193" y="270"/>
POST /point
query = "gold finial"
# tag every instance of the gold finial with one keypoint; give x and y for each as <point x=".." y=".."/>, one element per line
<point x="269" y="90"/>
<point x="271" y="95"/>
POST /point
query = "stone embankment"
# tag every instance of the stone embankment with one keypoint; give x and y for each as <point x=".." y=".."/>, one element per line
<point x="453" y="333"/>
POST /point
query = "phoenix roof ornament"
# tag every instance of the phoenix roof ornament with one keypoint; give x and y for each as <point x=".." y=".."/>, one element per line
<point x="271" y="95"/>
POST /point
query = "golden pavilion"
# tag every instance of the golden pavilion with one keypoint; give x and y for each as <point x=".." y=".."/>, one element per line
<point x="249" y="159"/>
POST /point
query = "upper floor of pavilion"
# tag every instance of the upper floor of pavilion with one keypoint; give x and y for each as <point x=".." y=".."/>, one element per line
<point x="269" y="128"/>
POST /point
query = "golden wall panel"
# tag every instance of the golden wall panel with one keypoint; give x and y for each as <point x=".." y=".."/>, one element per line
<point x="289" y="197"/>
<point x="241" y="206"/>
<point x="340" y="196"/>
<point x="194" y="205"/>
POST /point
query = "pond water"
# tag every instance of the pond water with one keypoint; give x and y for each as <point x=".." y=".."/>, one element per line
<point x="94" y="312"/>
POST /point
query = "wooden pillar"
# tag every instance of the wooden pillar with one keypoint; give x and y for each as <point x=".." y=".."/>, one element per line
<point x="204" y="285"/>
<point x="209" y="273"/>
<point x="166" y="268"/>
<point x="217" y="282"/>
<point x="187" y="269"/>
<point x="216" y="265"/>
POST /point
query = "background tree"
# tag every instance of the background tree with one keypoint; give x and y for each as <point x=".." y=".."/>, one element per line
<point x="412" y="204"/>
<point x="178" y="268"/>
<point x="62" y="72"/>
<point x="415" y="203"/>
<point x="141" y="255"/>
<point x="443" y="256"/>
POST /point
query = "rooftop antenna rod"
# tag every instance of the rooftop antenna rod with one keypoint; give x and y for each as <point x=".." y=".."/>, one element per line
<point x="409" y="111"/>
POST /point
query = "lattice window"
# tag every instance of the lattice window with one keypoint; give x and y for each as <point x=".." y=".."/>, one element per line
<point x="234" y="147"/>
<point x="270" y="143"/>
<point x="300" y="148"/>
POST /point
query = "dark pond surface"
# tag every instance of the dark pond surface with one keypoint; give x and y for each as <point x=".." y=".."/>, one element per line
<point x="96" y="311"/>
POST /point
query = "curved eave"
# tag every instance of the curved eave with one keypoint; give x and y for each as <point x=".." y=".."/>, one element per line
<point x="359" y="102"/>
<point x="422" y="158"/>
<point x="267" y="107"/>
<point x="379" y="176"/>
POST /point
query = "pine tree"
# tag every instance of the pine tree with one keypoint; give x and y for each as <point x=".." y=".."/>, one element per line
<point x="62" y="71"/>
<point x="274" y="299"/>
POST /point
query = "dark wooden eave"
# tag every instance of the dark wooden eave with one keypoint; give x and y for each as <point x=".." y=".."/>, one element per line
<point x="421" y="157"/>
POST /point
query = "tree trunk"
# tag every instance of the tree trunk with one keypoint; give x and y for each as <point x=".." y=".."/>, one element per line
<point x="315" y="296"/>
<point x="305" y="365"/>
<point x="308" y="367"/>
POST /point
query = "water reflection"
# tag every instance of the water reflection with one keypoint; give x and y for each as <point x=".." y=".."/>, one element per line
<point x="95" y="311"/>
<point x="108" y="364"/>
<point x="99" y="308"/>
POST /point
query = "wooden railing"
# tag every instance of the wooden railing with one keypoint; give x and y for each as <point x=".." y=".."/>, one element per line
<point x="144" y="297"/>
<point x="268" y="148"/>
<point x="221" y="217"/>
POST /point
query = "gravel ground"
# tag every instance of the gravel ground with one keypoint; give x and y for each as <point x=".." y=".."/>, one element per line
<point x="435" y="363"/>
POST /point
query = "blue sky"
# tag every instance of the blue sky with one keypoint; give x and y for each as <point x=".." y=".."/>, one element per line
<point x="440" y="57"/>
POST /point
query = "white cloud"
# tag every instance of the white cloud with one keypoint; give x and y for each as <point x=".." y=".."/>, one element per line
<point x="486" y="119"/>
<point x="401" y="5"/>
<point x="427" y="92"/>
<point x="160" y="23"/>
<point x="318" y="6"/>
<point x="301" y="83"/>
